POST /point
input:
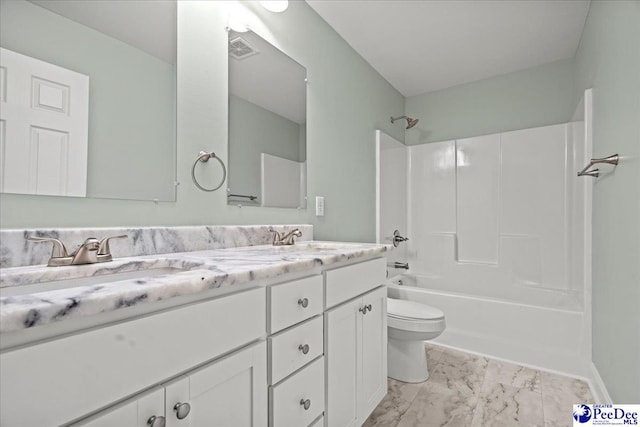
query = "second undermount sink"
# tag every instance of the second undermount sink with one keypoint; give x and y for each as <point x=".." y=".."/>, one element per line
<point x="54" y="285"/>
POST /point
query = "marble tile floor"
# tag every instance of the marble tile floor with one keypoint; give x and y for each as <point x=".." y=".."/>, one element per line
<point x="467" y="390"/>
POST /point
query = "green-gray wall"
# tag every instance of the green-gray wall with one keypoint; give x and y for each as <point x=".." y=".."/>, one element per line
<point x="608" y="60"/>
<point x="347" y="100"/>
<point x="533" y="97"/>
<point x="268" y="133"/>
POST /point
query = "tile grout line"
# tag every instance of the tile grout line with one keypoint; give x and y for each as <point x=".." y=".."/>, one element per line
<point x="544" y="418"/>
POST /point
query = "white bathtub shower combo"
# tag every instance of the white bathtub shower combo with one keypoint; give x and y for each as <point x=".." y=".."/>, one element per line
<point x="499" y="231"/>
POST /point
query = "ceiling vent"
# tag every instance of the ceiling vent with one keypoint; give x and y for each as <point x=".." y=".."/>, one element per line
<point x="240" y="49"/>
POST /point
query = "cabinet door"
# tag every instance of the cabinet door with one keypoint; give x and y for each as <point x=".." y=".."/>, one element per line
<point x="231" y="392"/>
<point x="136" y="413"/>
<point x="342" y="329"/>
<point x="373" y="364"/>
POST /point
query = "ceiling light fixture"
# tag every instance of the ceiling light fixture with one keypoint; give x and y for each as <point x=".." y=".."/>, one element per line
<point x="237" y="17"/>
<point x="275" y="5"/>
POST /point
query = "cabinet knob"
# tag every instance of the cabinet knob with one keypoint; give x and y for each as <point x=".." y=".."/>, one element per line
<point x="154" y="421"/>
<point x="303" y="302"/>
<point x="182" y="410"/>
<point x="306" y="404"/>
<point x="364" y="309"/>
<point x="304" y="348"/>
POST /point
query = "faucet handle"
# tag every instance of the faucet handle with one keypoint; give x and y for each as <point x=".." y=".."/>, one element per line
<point x="59" y="250"/>
<point x="104" y="249"/>
<point x="276" y="235"/>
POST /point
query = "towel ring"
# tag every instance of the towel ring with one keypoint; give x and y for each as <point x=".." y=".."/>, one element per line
<point x="204" y="157"/>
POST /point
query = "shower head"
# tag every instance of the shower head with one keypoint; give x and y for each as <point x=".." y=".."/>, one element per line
<point x="410" y="122"/>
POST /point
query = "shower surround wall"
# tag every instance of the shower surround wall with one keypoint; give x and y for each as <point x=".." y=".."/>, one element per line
<point x="497" y="240"/>
<point x="496" y="212"/>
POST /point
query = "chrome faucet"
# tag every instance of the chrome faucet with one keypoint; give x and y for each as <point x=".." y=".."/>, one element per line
<point x="404" y="265"/>
<point x="90" y="252"/>
<point x="87" y="253"/>
<point x="287" y="239"/>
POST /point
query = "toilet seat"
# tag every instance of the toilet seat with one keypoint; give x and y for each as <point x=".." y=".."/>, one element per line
<point x="411" y="310"/>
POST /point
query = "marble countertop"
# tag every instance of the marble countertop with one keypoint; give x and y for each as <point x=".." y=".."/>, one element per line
<point x="181" y="273"/>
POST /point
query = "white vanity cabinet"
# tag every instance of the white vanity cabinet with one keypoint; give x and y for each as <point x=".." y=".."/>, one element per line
<point x="307" y="352"/>
<point x="228" y="392"/>
<point x="356" y="345"/>
<point x="76" y="375"/>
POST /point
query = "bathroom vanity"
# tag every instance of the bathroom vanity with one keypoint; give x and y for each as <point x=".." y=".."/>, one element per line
<point x="244" y="336"/>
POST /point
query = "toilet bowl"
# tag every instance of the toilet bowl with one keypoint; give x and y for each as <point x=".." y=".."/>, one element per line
<point x="409" y="324"/>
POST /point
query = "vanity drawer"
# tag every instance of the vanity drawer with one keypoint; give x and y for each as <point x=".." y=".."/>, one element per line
<point x="348" y="282"/>
<point x="286" y="349"/>
<point x="288" y="302"/>
<point x="305" y="386"/>
<point x="75" y="375"/>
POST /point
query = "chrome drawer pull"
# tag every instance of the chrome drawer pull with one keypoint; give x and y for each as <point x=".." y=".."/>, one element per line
<point x="304" y="302"/>
<point x="304" y="348"/>
<point x="182" y="410"/>
<point x="154" y="421"/>
<point x="305" y="403"/>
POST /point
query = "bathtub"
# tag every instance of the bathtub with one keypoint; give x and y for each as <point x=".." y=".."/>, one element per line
<point x="525" y="333"/>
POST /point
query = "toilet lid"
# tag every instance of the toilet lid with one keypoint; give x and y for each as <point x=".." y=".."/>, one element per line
<point x="412" y="310"/>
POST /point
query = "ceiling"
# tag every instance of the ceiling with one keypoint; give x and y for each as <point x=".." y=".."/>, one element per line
<point x="422" y="46"/>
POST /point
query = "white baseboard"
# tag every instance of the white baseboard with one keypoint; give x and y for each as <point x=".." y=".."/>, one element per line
<point x="598" y="389"/>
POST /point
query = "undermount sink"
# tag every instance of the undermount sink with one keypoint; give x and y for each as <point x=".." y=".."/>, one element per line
<point x="54" y="285"/>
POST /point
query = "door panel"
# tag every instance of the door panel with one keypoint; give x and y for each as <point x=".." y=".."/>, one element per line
<point x="342" y="326"/>
<point x="45" y="121"/>
<point x="373" y="372"/>
<point x="134" y="414"/>
<point x="231" y="392"/>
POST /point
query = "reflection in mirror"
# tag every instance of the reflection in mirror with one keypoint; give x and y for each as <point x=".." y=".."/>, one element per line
<point x="90" y="98"/>
<point x="267" y="125"/>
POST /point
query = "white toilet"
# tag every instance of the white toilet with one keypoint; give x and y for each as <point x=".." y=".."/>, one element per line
<point x="409" y="324"/>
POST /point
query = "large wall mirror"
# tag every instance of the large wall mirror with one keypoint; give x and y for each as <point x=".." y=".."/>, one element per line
<point x="267" y="125"/>
<point x="92" y="82"/>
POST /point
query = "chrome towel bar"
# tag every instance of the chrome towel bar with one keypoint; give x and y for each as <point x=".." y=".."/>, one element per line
<point x="243" y="196"/>
<point x="612" y="160"/>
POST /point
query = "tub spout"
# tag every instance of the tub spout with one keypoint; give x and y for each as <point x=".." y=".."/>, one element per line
<point x="404" y="265"/>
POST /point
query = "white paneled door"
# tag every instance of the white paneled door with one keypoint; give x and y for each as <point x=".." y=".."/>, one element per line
<point x="43" y="127"/>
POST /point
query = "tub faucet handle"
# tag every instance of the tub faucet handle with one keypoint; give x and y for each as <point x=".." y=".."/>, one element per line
<point x="397" y="238"/>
